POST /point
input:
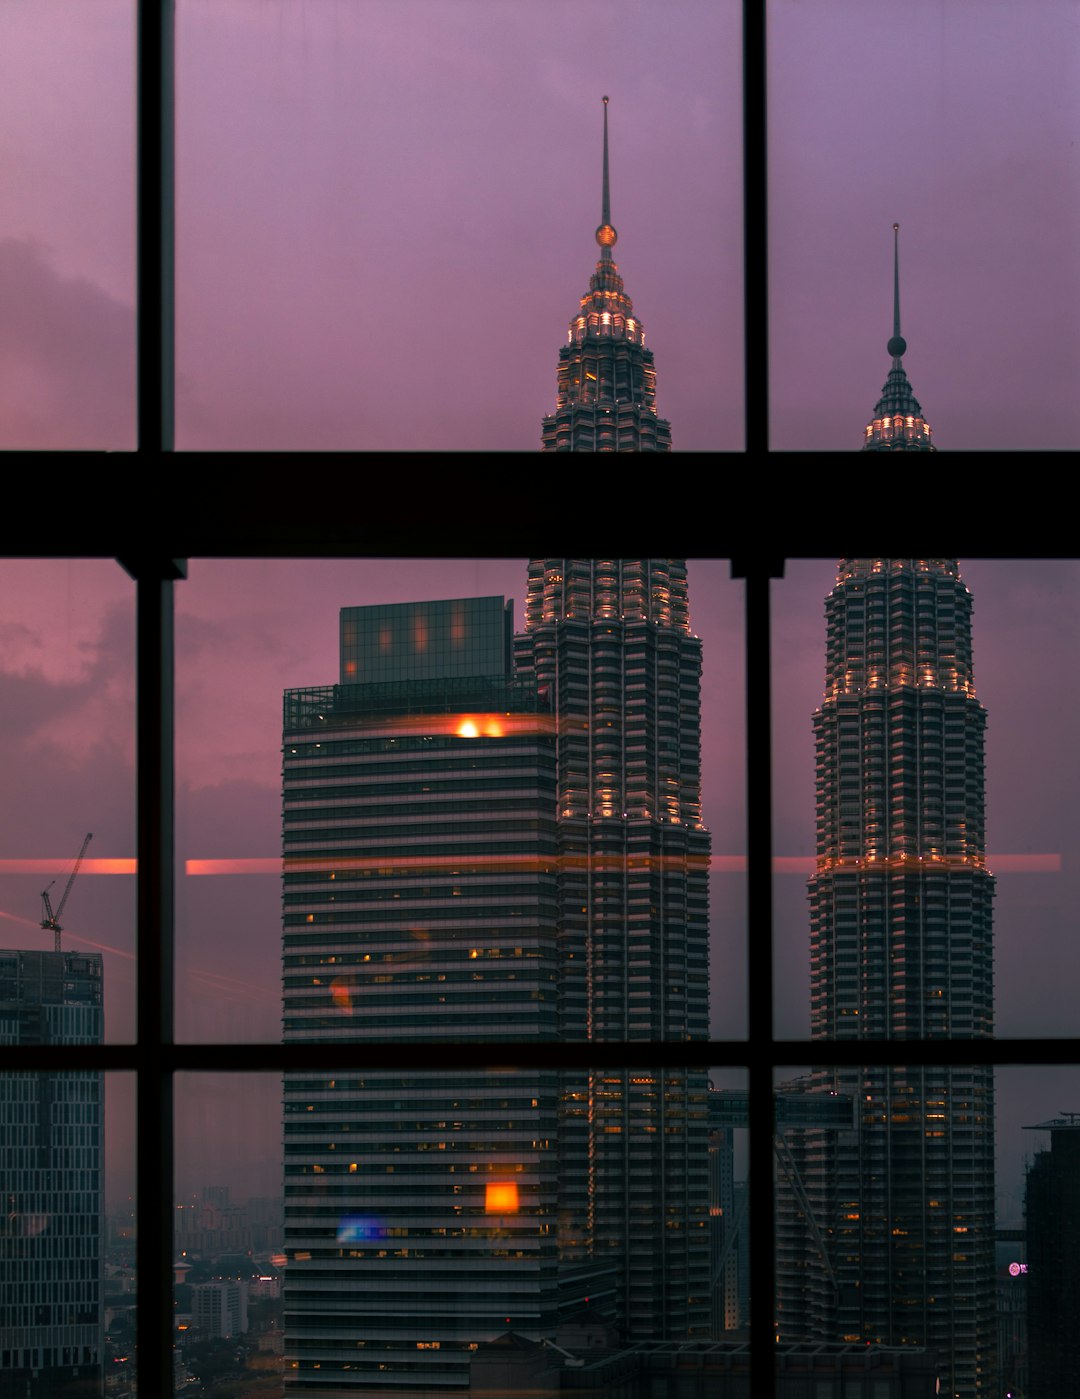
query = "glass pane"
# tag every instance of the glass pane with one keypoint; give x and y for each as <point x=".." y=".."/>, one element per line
<point x="885" y="1223"/>
<point x="67" y="256"/>
<point x="919" y="112"/>
<point x="431" y="836"/>
<point x="67" y="693"/>
<point x="891" y="1259"/>
<point x="942" y="872"/>
<point x="67" y="1276"/>
<point x="228" y="1234"/>
<point x="382" y="236"/>
<point x="439" y="1224"/>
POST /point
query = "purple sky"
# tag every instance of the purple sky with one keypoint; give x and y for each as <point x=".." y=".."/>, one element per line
<point x="247" y="630"/>
<point x="385" y="212"/>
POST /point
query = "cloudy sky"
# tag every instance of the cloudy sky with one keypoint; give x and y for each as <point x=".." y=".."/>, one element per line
<point x="248" y="630"/>
<point x="385" y="212"/>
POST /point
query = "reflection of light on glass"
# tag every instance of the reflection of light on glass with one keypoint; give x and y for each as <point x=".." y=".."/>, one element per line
<point x="356" y="1228"/>
<point x="278" y="1259"/>
<point x="341" y="994"/>
<point x="17" y="918"/>
<point x="99" y="866"/>
<point x="501" y="1197"/>
<point x="419" y="632"/>
<point x="467" y="729"/>
<point x="29" y="1226"/>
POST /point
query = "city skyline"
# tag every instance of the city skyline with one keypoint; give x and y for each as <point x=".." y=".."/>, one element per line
<point x="67" y="689"/>
<point x="430" y="177"/>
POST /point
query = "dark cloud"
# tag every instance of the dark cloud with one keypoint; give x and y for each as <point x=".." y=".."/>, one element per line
<point x="67" y="357"/>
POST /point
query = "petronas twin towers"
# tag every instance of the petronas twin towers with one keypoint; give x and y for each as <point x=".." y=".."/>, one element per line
<point x="606" y="394"/>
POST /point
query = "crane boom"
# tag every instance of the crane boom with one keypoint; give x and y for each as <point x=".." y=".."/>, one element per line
<point x="50" y="920"/>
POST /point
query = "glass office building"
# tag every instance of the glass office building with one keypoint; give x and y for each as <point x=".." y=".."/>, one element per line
<point x="419" y="905"/>
<point x="51" y="1335"/>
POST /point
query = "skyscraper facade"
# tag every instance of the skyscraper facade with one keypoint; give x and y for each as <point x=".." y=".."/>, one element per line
<point x="898" y="423"/>
<point x="609" y="640"/>
<point x="1052" y="1216"/>
<point x="606" y="396"/>
<point x="475" y="851"/>
<point x="893" y="1242"/>
<point x="51" y="1331"/>
<point x="419" y="904"/>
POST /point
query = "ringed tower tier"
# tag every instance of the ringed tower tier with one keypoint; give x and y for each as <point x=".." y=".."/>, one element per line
<point x="606" y="397"/>
<point x="609" y="642"/>
<point x="894" y="1242"/>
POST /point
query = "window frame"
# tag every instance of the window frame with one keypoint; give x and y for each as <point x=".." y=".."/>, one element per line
<point x="226" y="511"/>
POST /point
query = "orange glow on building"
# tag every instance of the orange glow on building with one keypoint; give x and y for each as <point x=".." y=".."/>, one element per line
<point x="501" y="1197"/>
<point x="341" y="995"/>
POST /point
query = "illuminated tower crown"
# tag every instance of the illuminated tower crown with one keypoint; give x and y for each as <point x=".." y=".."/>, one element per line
<point x="898" y="424"/>
<point x="606" y="381"/>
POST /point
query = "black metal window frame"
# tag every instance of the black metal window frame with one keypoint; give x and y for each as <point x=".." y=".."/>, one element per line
<point x="154" y="508"/>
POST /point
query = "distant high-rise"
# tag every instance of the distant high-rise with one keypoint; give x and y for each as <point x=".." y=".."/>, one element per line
<point x="51" y="1324"/>
<point x="606" y="399"/>
<point x="609" y="640"/>
<point x="1052" y="1210"/>
<point x="893" y="1242"/>
<point x="419" y="907"/>
<point x="898" y="424"/>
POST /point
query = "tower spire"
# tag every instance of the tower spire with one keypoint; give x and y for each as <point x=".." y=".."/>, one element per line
<point x="898" y="423"/>
<point x="897" y="345"/>
<point x="605" y="234"/>
<point x="605" y="206"/>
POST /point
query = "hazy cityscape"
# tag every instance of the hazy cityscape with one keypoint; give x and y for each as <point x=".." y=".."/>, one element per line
<point x="479" y="826"/>
<point x="231" y="1254"/>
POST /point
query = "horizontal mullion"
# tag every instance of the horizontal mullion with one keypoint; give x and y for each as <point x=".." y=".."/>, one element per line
<point x="337" y="1054"/>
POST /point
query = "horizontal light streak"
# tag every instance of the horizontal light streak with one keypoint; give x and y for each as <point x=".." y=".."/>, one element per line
<point x="62" y="865"/>
<point x="717" y="864"/>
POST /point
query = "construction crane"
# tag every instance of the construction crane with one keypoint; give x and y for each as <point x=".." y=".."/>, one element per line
<point x="49" y="919"/>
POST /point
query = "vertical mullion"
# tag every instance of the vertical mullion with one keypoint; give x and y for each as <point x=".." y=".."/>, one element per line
<point x="760" y="967"/>
<point x="755" y="226"/>
<point x="154" y="945"/>
<point x="155" y="208"/>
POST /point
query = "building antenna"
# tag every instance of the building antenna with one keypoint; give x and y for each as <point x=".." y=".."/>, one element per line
<point x="897" y="345"/>
<point x="605" y="234"/>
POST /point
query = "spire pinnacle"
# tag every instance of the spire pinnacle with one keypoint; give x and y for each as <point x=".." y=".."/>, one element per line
<point x="605" y="234"/>
<point x="897" y="345"/>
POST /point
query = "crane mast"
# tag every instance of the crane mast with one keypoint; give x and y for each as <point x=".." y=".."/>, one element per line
<point x="50" y="921"/>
